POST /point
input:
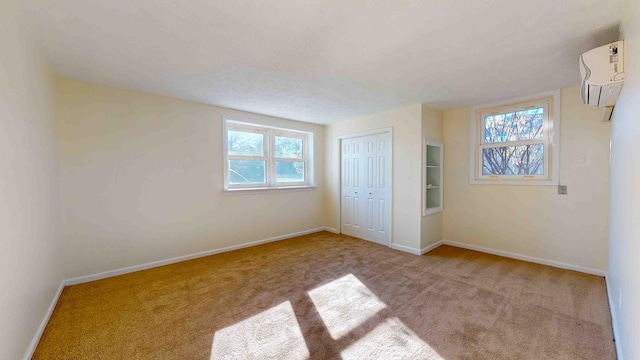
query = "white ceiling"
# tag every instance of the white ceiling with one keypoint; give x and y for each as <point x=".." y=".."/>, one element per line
<point x="324" y="61"/>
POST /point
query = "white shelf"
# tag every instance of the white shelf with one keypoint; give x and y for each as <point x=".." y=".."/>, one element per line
<point x="432" y="160"/>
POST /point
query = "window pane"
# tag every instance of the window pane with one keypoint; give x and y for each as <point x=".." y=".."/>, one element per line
<point x="513" y="160"/>
<point x="518" y="125"/>
<point x="290" y="171"/>
<point x="245" y="143"/>
<point x="288" y="147"/>
<point x="246" y="172"/>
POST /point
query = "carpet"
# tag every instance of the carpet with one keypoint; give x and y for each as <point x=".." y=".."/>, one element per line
<point x="328" y="296"/>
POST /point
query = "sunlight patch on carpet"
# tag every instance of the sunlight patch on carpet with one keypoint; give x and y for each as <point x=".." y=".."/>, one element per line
<point x="344" y="304"/>
<point x="390" y="340"/>
<point x="272" y="334"/>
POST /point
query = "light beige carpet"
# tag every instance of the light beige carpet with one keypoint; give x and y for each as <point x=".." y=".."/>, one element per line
<point x="327" y="296"/>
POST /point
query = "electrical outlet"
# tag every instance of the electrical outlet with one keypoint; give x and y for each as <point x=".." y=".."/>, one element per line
<point x="619" y="298"/>
<point x="562" y="189"/>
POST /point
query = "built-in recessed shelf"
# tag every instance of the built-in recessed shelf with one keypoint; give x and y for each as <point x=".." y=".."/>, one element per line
<point x="432" y="177"/>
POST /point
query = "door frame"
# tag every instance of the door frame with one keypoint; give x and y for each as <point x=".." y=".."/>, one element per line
<point x="355" y="135"/>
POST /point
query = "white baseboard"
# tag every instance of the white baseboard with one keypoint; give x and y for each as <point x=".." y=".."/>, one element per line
<point x="36" y="339"/>
<point x="410" y="250"/>
<point x="430" y="247"/>
<point x="612" y="302"/>
<point x="130" y="269"/>
<point x="614" y="318"/>
<point x="415" y="251"/>
<point x="406" y="249"/>
<point x="526" y="258"/>
<point x="331" y="230"/>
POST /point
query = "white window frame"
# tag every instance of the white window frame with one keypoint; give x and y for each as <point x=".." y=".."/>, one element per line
<point x="551" y="140"/>
<point x="270" y="159"/>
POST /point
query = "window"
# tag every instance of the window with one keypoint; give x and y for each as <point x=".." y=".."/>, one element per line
<point x="260" y="157"/>
<point x="517" y="142"/>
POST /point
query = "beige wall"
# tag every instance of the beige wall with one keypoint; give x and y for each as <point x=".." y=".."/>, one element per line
<point x="142" y="181"/>
<point x="534" y="220"/>
<point x="432" y="130"/>
<point x="624" y="248"/>
<point x="407" y="175"/>
<point x="30" y="266"/>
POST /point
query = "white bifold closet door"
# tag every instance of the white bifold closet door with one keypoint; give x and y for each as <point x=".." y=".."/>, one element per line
<point x="366" y="187"/>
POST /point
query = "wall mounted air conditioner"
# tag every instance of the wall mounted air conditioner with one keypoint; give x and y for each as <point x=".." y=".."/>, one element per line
<point x="602" y="71"/>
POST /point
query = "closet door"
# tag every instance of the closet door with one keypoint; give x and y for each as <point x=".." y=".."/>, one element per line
<point x="383" y="189"/>
<point x="366" y="187"/>
<point x="350" y="187"/>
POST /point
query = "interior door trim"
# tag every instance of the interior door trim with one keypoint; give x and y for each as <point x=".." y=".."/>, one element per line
<point x="355" y="135"/>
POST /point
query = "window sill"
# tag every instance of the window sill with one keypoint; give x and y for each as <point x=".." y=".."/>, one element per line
<point x="515" y="182"/>
<point x="269" y="189"/>
<point x="431" y="211"/>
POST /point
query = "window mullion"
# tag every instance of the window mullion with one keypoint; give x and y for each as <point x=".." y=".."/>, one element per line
<point x="269" y="155"/>
<point x="514" y="143"/>
<point x="535" y="158"/>
<point x="248" y="158"/>
<point x="269" y="159"/>
<point x="548" y="125"/>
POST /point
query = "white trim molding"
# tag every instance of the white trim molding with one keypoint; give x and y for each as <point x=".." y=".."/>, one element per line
<point x="103" y="275"/>
<point x="506" y="254"/>
<point x="83" y="279"/>
<point x="269" y="156"/>
<point x="331" y="230"/>
<point x="338" y="144"/>
<point x="383" y="130"/>
<point x="553" y="140"/>
<point x="430" y="247"/>
<point x="614" y="318"/>
<point x="532" y="259"/>
<point x="43" y="325"/>
<point x="130" y="269"/>
<point x="406" y="249"/>
<point x="415" y="251"/>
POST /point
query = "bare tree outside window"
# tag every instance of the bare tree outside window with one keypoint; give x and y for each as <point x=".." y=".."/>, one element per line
<point x="517" y="158"/>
